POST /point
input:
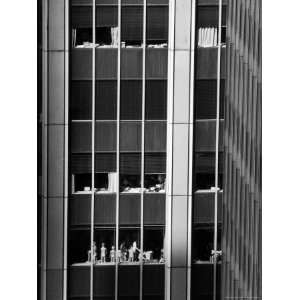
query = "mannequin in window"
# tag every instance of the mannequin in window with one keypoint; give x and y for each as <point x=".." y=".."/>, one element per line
<point x="103" y="253"/>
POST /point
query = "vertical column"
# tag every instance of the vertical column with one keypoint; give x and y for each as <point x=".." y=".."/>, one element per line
<point x="178" y="195"/>
<point x="54" y="124"/>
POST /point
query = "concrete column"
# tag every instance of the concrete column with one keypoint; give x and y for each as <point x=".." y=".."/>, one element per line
<point x="53" y="119"/>
<point x="178" y="148"/>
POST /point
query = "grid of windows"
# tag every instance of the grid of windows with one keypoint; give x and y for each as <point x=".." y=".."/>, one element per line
<point x="208" y="150"/>
<point x="117" y="149"/>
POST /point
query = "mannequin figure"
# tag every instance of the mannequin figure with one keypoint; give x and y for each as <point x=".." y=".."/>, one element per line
<point x="130" y="258"/>
<point x="103" y="253"/>
<point x="112" y="254"/>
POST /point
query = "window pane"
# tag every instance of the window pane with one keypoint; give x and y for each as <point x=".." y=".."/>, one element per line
<point x="130" y="136"/>
<point x="106" y="100"/>
<point x="156" y="100"/>
<point x="131" y="100"/>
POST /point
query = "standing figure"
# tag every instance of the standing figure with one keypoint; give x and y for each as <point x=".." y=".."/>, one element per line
<point x="103" y="253"/>
<point x="94" y="252"/>
<point x="112" y="254"/>
<point x="119" y="256"/>
<point x="130" y="256"/>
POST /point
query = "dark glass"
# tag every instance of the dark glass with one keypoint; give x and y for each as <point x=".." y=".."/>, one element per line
<point x="132" y="25"/>
<point x="154" y="245"/>
<point x="81" y="137"/>
<point x="106" y="100"/>
<point x="203" y="242"/>
<point x="206" y="99"/>
<point x="131" y="100"/>
<point x="155" y="163"/>
<point x="105" y="136"/>
<point x="156" y="100"/>
<point x="153" y="282"/>
<point x="79" y="245"/>
<point x="81" y="100"/>
<point x="130" y="209"/>
<point x="157" y="25"/>
<point x="130" y="136"/>
<point x="155" y="136"/>
<point x="80" y="210"/>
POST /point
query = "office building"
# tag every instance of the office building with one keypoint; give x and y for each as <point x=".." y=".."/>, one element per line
<point x="134" y="194"/>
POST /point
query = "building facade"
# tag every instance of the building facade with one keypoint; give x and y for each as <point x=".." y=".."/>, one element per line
<point x="138" y="115"/>
<point x="241" y="239"/>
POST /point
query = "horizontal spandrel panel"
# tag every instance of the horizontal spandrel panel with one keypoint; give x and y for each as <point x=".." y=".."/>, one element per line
<point x="155" y="136"/>
<point x="131" y="63"/>
<point x="81" y="64"/>
<point x="105" y="136"/>
<point x="81" y="136"/>
<point x="106" y="63"/>
<point x="156" y="100"/>
<point x="105" y="209"/>
<point x="106" y="100"/>
<point x="129" y="282"/>
<point x="153" y="282"/>
<point x="80" y="210"/>
<point x="104" y="282"/>
<point x="154" y="208"/>
<point x="157" y="63"/>
<point x="81" y="100"/>
<point x="131" y="100"/>
<point x="130" y="209"/>
<point x="79" y="282"/>
<point x="130" y="136"/>
<point x="205" y="135"/>
<point x="202" y="281"/>
<point x="204" y="207"/>
<point x="205" y="98"/>
<point x="206" y="63"/>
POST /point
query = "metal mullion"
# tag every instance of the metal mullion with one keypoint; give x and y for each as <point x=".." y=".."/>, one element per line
<point x="143" y="144"/>
<point x="93" y="149"/>
<point x="169" y="177"/>
<point x="118" y="149"/>
<point x="191" y="143"/>
<point x="66" y="149"/>
<point x="44" y="149"/>
<point x="217" y="156"/>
